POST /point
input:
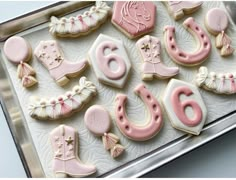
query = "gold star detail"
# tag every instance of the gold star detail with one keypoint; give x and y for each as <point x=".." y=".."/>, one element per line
<point x="58" y="58"/>
<point x="145" y="47"/>
<point x="69" y="141"/>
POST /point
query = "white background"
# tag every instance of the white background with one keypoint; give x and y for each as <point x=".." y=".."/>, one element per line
<point x="216" y="159"/>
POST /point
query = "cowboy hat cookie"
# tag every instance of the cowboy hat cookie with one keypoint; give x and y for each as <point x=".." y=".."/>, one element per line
<point x="134" y="18"/>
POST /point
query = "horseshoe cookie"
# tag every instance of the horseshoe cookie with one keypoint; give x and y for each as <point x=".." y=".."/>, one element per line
<point x="220" y="83"/>
<point x="137" y="132"/>
<point x="185" y="58"/>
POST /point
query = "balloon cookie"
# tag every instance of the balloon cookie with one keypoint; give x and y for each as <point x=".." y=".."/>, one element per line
<point x="150" y="50"/>
<point x="82" y="24"/>
<point x="153" y="123"/>
<point x="220" y="83"/>
<point x="186" y="58"/>
<point x="97" y="120"/>
<point x="177" y="9"/>
<point x="184" y="106"/>
<point x="18" y="51"/>
<point x="216" y="22"/>
<point x="66" y="161"/>
<point x="134" y="18"/>
<point x="51" y="56"/>
<point x="64" y="105"/>
<point x="110" y="61"/>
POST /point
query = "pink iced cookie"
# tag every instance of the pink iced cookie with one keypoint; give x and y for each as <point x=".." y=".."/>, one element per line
<point x="179" y="8"/>
<point x="17" y="49"/>
<point x="150" y="50"/>
<point x="154" y="121"/>
<point x="187" y="58"/>
<point x="97" y="120"/>
<point x="134" y="18"/>
<point x="66" y="161"/>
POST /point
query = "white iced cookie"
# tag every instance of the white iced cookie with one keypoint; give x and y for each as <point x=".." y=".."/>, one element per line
<point x="82" y="24"/>
<point x="216" y="22"/>
<point x="110" y="61"/>
<point x="220" y="83"/>
<point x="150" y="51"/>
<point x="64" y="105"/>
<point x="97" y="120"/>
<point x="178" y="9"/>
<point x="184" y="106"/>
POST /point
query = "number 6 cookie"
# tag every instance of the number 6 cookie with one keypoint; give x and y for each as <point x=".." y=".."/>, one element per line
<point x="110" y="61"/>
<point x="178" y="99"/>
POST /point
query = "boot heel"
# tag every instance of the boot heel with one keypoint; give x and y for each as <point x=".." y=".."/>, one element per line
<point x="61" y="175"/>
<point x="62" y="81"/>
<point x="178" y="15"/>
<point x="147" y="77"/>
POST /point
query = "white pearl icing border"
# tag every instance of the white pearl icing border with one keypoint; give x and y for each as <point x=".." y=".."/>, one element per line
<point x="64" y="105"/>
<point x="81" y="24"/>
<point x="220" y="83"/>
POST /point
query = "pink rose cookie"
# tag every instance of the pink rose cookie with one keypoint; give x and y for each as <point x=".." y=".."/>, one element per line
<point x="216" y="22"/>
<point x="134" y="18"/>
<point x="51" y="56"/>
<point x="18" y="51"/>
<point x="178" y="9"/>
<point x="186" y="58"/>
<point x="184" y="106"/>
<point x="97" y="120"/>
<point x="64" y="105"/>
<point x="65" y="149"/>
<point x="110" y="61"/>
<point x="82" y="24"/>
<point x="153" y="123"/>
<point x="150" y="50"/>
<point x="220" y="83"/>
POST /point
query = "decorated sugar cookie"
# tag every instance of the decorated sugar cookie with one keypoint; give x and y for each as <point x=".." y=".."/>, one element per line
<point x="110" y="61"/>
<point x="18" y="51"/>
<point x="66" y="161"/>
<point x="150" y="50"/>
<point x="188" y="58"/>
<point x="97" y="120"/>
<point x="64" y="105"/>
<point x="217" y="21"/>
<point x="153" y="123"/>
<point x="185" y="106"/>
<point x="134" y="18"/>
<point x="82" y="24"/>
<point x="220" y="83"/>
<point x="178" y="9"/>
<point x="51" y="56"/>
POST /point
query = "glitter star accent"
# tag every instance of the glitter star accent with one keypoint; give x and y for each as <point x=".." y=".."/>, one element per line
<point x="58" y="58"/>
<point x="145" y="47"/>
<point x="69" y="141"/>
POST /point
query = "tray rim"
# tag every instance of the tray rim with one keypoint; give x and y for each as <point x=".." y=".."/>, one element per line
<point x="210" y="131"/>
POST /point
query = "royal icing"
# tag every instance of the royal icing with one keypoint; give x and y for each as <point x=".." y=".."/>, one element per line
<point x="217" y="21"/>
<point x="220" y="83"/>
<point x="66" y="161"/>
<point x="150" y="50"/>
<point x="81" y="24"/>
<point x="152" y="125"/>
<point x="64" y="105"/>
<point x="179" y="8"/>
<point x="107" y="51"/>
<point x="185" y="106"/>
<point x="97" y="120"/>
<point x="185" y="58"/>
<point x="134" y="18"/>
<point x="51" y="56"/>
<point x="18" y="51"/>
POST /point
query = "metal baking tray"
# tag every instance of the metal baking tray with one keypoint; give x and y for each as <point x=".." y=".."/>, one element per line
<point x="140" y="157"/>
